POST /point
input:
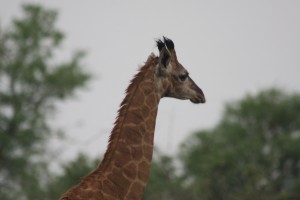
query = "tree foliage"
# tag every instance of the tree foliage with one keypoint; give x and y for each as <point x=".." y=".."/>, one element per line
<point x="253" y="153"/>
<point x="164" y="182"/>
<point x="72" y="173"/>
<point x="31" y="82"/>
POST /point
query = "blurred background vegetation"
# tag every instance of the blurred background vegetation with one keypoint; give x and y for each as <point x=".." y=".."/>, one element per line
<point x="252" y="153"/>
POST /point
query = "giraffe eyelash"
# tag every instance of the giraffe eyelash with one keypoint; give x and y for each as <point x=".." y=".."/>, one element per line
<point x="183" y="77"/>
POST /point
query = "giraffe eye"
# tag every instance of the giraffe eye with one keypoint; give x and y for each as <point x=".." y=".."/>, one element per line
<point x="183" y="77"/>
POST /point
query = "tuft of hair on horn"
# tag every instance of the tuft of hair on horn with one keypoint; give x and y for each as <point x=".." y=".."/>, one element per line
<point x="160" y="44"/>
<point x="169" y="43"/>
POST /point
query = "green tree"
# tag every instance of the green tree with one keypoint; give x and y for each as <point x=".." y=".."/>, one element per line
<point x="72" y="173"/>
<point x="31" y="82"/>
<point x="164" y="180"/>
<point x="253" y="153"/>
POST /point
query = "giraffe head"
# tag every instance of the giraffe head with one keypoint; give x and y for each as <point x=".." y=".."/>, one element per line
<point x="172" y="78"/>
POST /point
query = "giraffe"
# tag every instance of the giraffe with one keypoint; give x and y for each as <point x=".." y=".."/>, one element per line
<point x="124" y="170"/>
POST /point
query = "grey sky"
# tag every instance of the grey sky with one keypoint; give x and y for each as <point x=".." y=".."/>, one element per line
<point x="230" y="48"/>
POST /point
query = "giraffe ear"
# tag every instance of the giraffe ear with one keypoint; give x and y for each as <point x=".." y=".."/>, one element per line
<point x="164" y="57"/>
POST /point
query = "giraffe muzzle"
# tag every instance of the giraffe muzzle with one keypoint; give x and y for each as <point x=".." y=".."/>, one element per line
<point x="198" y="99"/>
<point x="199" y="96"/>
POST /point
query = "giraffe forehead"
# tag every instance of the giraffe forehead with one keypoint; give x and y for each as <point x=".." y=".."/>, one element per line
<point x="177" y="68"/>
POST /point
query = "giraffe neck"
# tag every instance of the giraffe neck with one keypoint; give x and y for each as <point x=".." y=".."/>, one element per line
<point x="126" y="164"/>
<point x="125" y="168"/>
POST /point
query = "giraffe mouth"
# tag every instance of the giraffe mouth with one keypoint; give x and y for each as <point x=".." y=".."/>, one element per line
<point x="198" y="99"/>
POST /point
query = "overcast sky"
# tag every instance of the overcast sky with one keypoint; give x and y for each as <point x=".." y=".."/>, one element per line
<point x="231" y="48"/>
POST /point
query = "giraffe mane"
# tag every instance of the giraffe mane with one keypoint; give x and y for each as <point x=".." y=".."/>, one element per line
<point x="125" y="104"/>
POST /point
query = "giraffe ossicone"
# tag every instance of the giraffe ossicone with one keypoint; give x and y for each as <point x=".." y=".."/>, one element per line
<point x="124" y="170"/>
